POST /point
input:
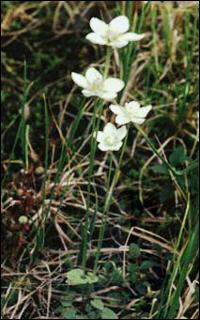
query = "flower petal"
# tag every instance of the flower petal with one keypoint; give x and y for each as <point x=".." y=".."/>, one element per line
<point x="122" y="132"/>
<point x="95" y="38"/>
<point x="144" y="111"/>
<point x="113" y="84"/>
<point x="110" y="129"/>
<point x="138" y="120"/>
<point x="117" y="146"/>
<point x="119" y="25"/>
<point x="131" y="36"/>
<point x="108" y="95"/>
<point x="79" y="79"/>
<point x="119" y="43"/>
<point x="92" y="75"/>
<point x="116" y="109"/>
<point x="137" y="111"/>
<point x="98" y="26"/>
<point x="99" y="136"/>
<point x="122" y="119"/>
<point x="103" y="147"/>
<point x="87" y="93"/>
<point x="132" y="105"/>
<point x="122" y="114"/>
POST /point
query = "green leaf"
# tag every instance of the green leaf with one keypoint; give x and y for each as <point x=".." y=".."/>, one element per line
<point x="66" y="303"/>
<point x="108" y="314"/>
<point x="97" y="304"/>
<point x="178" y="156"/>
<point x="160" y="168"/>
<point x="69" y="313"/>
<point x="134" y="250"/>
<point x="166" y="193"/>
<point x="78" y="277"/>
<point x="147" y="264"/>
<point x="91" y="278"/>
<point x="133" y="270"/>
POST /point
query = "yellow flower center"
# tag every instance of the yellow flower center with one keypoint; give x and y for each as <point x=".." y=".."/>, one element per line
<point x="110" y="140"/>
<point x="96" y="85"/>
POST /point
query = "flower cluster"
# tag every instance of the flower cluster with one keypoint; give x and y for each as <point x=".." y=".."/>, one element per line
<point x="94" y="84"/>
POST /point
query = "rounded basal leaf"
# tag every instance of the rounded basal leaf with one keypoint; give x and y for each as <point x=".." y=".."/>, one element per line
<point x="91" y="278"/>
<point x="76" y="277"/>
<point x="108" y="314"/>
<point x="134" y="250"/>
<point x="69" y="313"/>
<point x="97" y="304"/>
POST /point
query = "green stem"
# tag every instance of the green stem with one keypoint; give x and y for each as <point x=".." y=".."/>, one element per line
<point x="83" y="252"/>
<point x="107" y="61"/>
<point x="96" y="120"/>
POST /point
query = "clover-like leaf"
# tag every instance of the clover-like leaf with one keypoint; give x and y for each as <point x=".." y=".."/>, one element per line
<point x="108" y="314"/>
<point x="77" y="277"/>
<point x="91" y="277"/>
<point x="97" y="304"/>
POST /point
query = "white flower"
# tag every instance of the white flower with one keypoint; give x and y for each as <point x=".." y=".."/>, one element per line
<point x="131" y="112"/>
<point x="111" y="137"/>
<point x="94" y="84"/>
<point x="113" y="34"/>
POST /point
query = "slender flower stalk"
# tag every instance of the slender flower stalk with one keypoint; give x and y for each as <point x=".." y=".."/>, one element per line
<point x="108" y="203"/>
<point x="107" y="62"/>
<point x="96" y="120"/>
<point x="84" y="244"/>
